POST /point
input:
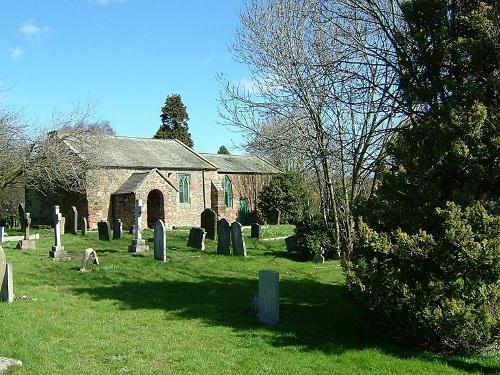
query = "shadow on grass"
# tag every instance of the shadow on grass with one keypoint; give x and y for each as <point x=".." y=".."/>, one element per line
<point x="313" y="316"/>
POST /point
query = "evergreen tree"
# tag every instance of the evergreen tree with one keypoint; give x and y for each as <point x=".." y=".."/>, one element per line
<point x="174" y="121"/>
<point x="223" y="150"/>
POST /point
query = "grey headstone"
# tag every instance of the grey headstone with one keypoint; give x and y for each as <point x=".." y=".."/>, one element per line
<point x="197" y="238"/>
<point x="274" y="216"/>
<point x="269" y="294"/>
<point x="160" y="240"/>
<point x="7" y="363"/>
<point x="57" y="251"/>
<point x="3" y="263"/>
<point x="318" y="257"/>
<point x="223" y="237"/>
<point x="255" y="230"/>
<point x="239" y="247"/>
<point x="209" y="223"/>
<point x="27" y="223"/>
<point x="118" y="230"/>
<point x="21" y="211"/>
<point x="104" y="230"/>
<point x="2" y="234"/>
<point x="138" y="245"/>
<point x="26" y="245"/>
<point x="7" y="288"/>
<point x="84" y="225"/>
<point x="291" y="243"/>
<point x="89" y="259"/>
<point x="74" y="220"/>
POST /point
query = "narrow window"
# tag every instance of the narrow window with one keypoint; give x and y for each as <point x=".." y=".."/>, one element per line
<point x="228" y="192"/>
<point x="184" y="189"/>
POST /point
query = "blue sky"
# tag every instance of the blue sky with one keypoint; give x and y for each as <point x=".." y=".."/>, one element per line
<point x="124" y="55"/>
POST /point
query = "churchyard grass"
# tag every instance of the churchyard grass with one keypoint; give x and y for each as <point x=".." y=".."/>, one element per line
<point x="191" y="315"/>
<point x="272" y="231"/>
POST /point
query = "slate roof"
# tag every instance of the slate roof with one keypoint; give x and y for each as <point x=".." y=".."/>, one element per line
<point x="132" y="184"/>
<point x="240" y="164"/>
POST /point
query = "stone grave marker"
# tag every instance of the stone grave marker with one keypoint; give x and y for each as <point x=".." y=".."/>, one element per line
<point x="138" y="244"/>
<point x="63" y="224"/>
<point x="84" y="225"/>
<point x="160" y="241"/>
<point x="318" y="257"/>
<point x="7" y="363"/>
<point x="255" y="230"/>
<point x="3" y="262"/>
<point x="274" y="216"/>
<point x="73" y="220"/>
<point x="269" y="294"/>
<point x="89" y="259"/>
<point x="239" y="247"/>
<point x="209" y="223"/>
<point x="118" y="230"/>
<point x="26" y="243"/>
<point x="7" y="287"/>
<point x="223" y="237"/>
<point x="57" y="251"/>
<point x="291" y="243"/>
<point x="104" y="230"/>
<point x="2" y="234"/>
<point x="21" y="211"/>
<point x="197" y="238"/>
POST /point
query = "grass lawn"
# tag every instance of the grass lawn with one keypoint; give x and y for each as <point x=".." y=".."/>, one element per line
<point x="191" y="315"/>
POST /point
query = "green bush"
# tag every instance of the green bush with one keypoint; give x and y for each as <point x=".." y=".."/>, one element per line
<point x="313" y="234"/>
<point x="442" y="290"/>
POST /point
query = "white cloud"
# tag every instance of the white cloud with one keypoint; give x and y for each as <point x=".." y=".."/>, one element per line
<point x="16" y="53"/>
<point x="106" y="2"/>
<point x="31" y="30"/>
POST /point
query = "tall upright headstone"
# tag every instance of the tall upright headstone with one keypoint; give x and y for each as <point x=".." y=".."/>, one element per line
<point x="274" y="216"/>
<point x="74" y="220"/>
<point x="138" y="244"/>
<point x="160" y="241"/>
<point x="255" y="230"/>
<point x="269" y="294"/>
<point x="117" y="230"/>
<point x="7" y="286"/>
<point x="2" y="234"/>
<point x="104" y="230"/>
<point x="63" y="225"/>
<point x="197" y="238"/>
<point x="21" y="211"/>
<point x="84" y="225"/>
<point x="223" y="237"/>
<point x="57" y="251"/>
<point x="3" y="263"/>
<point x="209" y="223"/>
<point x="26" y="243"/>
<point x="239" y="247"/>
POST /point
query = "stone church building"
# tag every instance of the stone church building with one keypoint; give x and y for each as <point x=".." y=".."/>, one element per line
<point x="174" y="182"/>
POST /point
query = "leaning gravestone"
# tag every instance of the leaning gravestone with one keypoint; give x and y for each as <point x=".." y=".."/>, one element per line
<point x="57" y="251"/>
<point x="138" y="244"/>
<point x="117" y="230"/>
<point x="84" y="225"/>
<point x="255" y="230"/>
<point x="160" y="239"/>
<point x="274" y="216"/>
<point x="209" y="223"/>
<point x="26" y="243"/>
<point x="104" y="230"/>
<point x="239" y="247"/>
<point x="21" y="211"/>
<point x="197" y="238"/>
<point x="73" y="220"/>
<point x="89" y="259"/>
<point x="223" y="237"/>
<point x="269" y="294"/>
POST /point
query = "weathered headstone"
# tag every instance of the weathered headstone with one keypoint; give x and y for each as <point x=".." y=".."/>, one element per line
<point x="255" y="230"/>
<point x="318" y="257"/>
<point x="7" y="363"/>
<point x="104" y="230"/>
<point x="138" y="244"/>
<point x="291" y="243"/>
<point x="197" y="238"/>
<point x="160" y="240"/>
<point x="84" y="225"/>
<point x="63" y="225"/>
<point x="209" y="223"/>
<point x="74" y="220"/>
<point x="274" y="216"/>
<point x="2" y="234"/>
<point x="118" y="230"/>
<point x="21" y="211"/>
<point x="89" y="259"/>
<point x="239" y="247"/>
<point x="269" y="294"/>
<point x="57" y="251"/>
<point x="223" y="237"/>
<point x="3" y="263"/>
<point x="26" y="243"/>
<point x="7" y="288"/>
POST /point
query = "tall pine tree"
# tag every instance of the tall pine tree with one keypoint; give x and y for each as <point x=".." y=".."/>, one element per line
<point x="174" y="121"/>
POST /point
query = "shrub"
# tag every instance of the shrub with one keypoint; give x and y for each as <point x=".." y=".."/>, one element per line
<point x="443" y="289"/>
<point x="312" y="235"/>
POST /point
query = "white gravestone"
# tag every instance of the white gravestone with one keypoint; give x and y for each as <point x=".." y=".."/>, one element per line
<point x="26" y="243"/>
<point x="7" y="288"/>
<point x="138" y="244"/>
<point x="57" y="251"/>
<point x="89" y="259"/>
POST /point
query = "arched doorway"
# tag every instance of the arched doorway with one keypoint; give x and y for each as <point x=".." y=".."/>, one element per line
<point x="155" y="207"/>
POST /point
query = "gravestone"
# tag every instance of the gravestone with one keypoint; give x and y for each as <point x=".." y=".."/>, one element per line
<point x="2" y="234"/>
<point x="3" y="263"/>
<point x="131" y="229"/>
<point x="26" y="243"/>
<point x="84" y="226"/>
<point x="63" y="225"/>
<point x="223" y="237"/>
<point x="89" y="259"/>
<point x="291" y="243"/>
<point x="318" y="257"/>
<point x="104" y="230"/>
<point x="74" y="220"/>
<point x="209" y="223"/>
<point x="7" y="288"/>
<point x="118" y="230"/>
<point x="21" y="211"/>
<point x="138" y="244"/>
<point x="255" y="230"/>
<point x="197" y="238"/>
<point x="274" y="216"/>
<point x="239" y="247"/>
<point x="57" y="251"/>
<point x="160" y="240"/>
<point x="269" y="294"/>
<point x="7" y="363"/>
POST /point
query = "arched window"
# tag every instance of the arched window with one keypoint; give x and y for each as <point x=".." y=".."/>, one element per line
<point x="228" y="192"/>
<point x="184" y="189"/>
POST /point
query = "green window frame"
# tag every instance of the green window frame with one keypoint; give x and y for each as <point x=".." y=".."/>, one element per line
<point x="184" y="189"/>
<point x="228" y="192"/>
